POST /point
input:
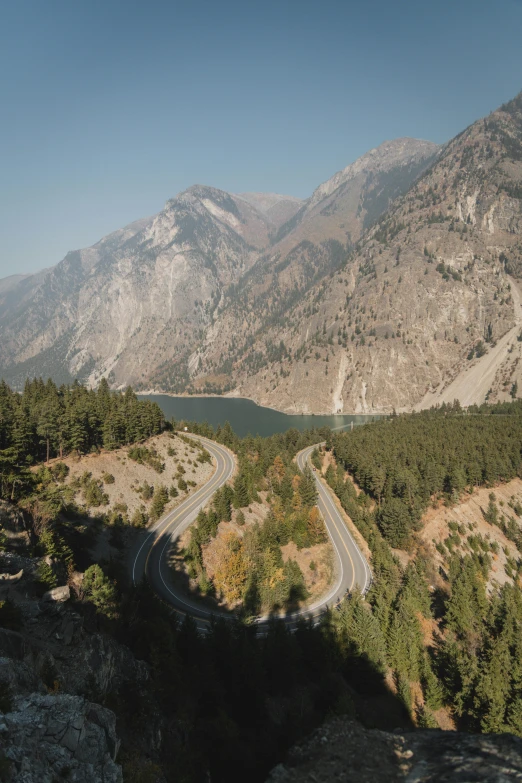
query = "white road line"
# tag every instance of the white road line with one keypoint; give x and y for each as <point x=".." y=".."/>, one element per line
<point x="188" y="514"/>
<point x="324" y="493"/>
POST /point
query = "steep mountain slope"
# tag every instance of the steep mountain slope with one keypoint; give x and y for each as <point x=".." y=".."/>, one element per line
<point x="137" y="299"/>
<point x="136" y="306"/>
<point x="315" y="241"/>
<point x="350" y="201"/>
<point x="278" y="209"/>
<point x="8" y="283"/>
<point x="428" y="290"/>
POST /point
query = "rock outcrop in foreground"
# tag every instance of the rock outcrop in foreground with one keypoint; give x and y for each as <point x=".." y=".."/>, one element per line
<point x="344" y="751"/>
<point x="49" y="737"/>
<point x="53" y="670"/>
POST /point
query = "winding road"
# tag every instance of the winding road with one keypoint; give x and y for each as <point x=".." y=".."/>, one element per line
<point x="150" y="553"/>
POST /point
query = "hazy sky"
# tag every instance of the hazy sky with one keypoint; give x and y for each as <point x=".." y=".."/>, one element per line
<point x="109" y="108"/>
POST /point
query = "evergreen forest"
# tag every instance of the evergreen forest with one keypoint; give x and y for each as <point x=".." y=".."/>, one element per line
<point x="46" y="421"/>
<point x="405" y="655"/>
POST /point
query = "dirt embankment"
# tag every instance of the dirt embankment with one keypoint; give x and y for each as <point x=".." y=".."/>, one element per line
<point x="468" y="515"/>
<point x="128" y="475"/>
<point x="115" y="493"/>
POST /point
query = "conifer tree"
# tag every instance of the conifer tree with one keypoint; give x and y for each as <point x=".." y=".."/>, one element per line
<point x="308" y="489"/>
<point x="100" y="591"/>
<point x="241" y="496"/>
<point x="159" y="501"/>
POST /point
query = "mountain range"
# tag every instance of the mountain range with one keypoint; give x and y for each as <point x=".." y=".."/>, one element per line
<point x="393" y="286"/>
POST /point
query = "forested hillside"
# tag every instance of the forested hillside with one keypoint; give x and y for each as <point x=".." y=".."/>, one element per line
<point x="440" y="631"/>
<point x="249" y="570"/>
<point x="48" y="421"/>
<point x="241" y="700"/>
<point x="426" y="647"/>
<point x="402" y="462"/>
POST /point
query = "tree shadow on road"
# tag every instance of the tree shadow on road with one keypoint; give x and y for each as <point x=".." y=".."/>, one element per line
<point x="250" y="696"/>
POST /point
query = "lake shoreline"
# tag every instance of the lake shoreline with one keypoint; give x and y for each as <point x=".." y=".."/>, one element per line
<point x="245" y="416"/>
<point x="155" y="392"/>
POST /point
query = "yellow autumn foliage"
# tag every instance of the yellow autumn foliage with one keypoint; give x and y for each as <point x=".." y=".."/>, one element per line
<point x="231" y="574"/>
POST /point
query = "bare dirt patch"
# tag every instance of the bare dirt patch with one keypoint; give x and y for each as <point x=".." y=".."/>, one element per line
<point x="469" y="514"/>
<point x="316" y="563"/>
<point x="129" y="475"/>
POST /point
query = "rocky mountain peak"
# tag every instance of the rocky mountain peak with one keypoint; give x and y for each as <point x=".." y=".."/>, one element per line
<point x="203" y="193"/>
<point x="388" y="155"/>
<point x="427" y="308"/>
<point x="266" y="201"/>
<point x="350" y="281"/>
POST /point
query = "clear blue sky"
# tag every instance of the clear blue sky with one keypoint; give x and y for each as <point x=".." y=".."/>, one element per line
<point x="109" y="108"/>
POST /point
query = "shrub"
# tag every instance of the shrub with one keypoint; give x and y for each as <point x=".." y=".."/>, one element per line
<point x="94" y="495"/>
<point x="159" y="501"/>
<point x="46" y="576"/>
<point x="60" y="471"/>
<point x="146" y="456"/>
<point x="140" y="518"/>
<point x="146" y="491"/>
<point x="100" y="591"/>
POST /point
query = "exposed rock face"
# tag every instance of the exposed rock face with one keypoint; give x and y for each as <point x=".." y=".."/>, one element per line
<point x="350" y="201"/>
<point x="57" y="594"/>
<point x="45" y="738"/>
<point x="344" y="751"/>
<point x="138" y="298"/>
<point x="134" y="307"/>
<point x="11" y="579"/>
<point x="395" y="323"/>
<point x="51" y="673"/>
<point x="371" y="295"/>
<point x="54" y="642"/>
<point x="310" y="246"/>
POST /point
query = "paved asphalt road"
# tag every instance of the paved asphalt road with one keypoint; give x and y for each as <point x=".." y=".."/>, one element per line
<point x="149" y="556"/>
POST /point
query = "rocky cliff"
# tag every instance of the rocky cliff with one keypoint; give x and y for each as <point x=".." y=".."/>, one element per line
<point x="53" y="673"/>
<point x="52" y="737"/>
<point x="429" y="292"/>
<point x="343" y="750"/>
<point x="137" y="306"/>
<point x="393" y="286"/>
<point x="140" y="299"/>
